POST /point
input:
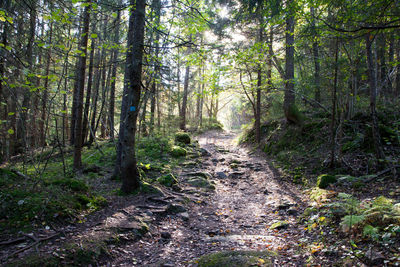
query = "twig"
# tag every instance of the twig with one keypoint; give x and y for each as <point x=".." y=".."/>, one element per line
<point x="31" y="245"/>
<point x="13" y="241"/>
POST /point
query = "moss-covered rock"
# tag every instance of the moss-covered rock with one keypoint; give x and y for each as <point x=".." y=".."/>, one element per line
<point x="279" y="225"/>
<point x="167" y="180"/>
<point x="237" y="259"/>
<point x="150" y="189"/>
<point x="178" y="151"/>
<point x="325" y="179"/>
<point x="181" y="137"/>
<point x="201" y="182"/>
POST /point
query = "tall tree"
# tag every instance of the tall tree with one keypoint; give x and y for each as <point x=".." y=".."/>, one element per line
<point x="132" y="86"/>
<point x="80" y="86"/>
<point x="289" y="99"/>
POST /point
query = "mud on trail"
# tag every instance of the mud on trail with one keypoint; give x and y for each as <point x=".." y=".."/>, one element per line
<point x="248" y="199"/>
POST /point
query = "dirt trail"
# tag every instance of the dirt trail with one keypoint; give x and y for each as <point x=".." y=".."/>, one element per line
<point x="249" y="197"/>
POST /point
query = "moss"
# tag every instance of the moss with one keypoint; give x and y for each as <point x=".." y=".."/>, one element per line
<point x="72" y="184"/>
<point x="150" y="189"/>
<point x="325" y="179"/>
<point x="178" y="151"/>
<point x="201" y="182"/>
<point x="167" y="180"/>
<point x="181" y="137"/>
<point x="279" y="225"/>
<point x="237" y="259"/>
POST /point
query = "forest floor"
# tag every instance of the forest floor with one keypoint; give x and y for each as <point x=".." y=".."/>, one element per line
<point x="247" y="200"/>
<point x="228" y="199"/>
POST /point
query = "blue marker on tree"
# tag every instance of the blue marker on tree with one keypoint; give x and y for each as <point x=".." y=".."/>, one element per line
<point x="133" y="108"/>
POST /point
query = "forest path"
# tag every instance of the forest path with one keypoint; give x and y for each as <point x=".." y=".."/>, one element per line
<point x="248" y="199"/>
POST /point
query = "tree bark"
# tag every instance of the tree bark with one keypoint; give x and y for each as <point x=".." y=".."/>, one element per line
<point x="315" y="48"/>
<point x="129" y="172"/>
<point x="42" y="129"/>
<point x="333" y="118"/>
<point x="372" y="94"/>
<point x="80" y="88"/>
<point x="289" y="98"/>
<point x="114" y="78"/>
<point x="85" y="124"/>
<point x="22" y="131"/>
<point x="182" y="124"/>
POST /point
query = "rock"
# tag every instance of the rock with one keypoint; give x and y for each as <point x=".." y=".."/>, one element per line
<point x="175" y="208"/>
<point x="221" y="175"/>
<point x="284" y="205"/>
<point x="279" y="225"/>
<point x="178" y="151"/>
<point x="181" y="137"/>
<point x="374" y="257"/>
<point x="167" y="180"/>
<point x="292" y="212"/>
<point x="215" y="160"/>
<point x="184" y="216"/>
<point x="205" y="175"/>
<point x="234" y="165"/>
<point x="325" y="179"/>
<point x="236" y="174"/>
<point x="204" y="152"/>
<point x="123" y="222"/>
<point x="165" y="235"/>
<point x="202" y="182"/>
<point x="266" y="192"/>
<point x="221" y="159"/>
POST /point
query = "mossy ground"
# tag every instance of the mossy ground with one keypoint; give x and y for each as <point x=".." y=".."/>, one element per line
<point x="51" y="195"/>
<point x="237" y="259"/>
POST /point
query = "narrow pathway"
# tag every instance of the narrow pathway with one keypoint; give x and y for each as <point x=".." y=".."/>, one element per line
<point x="248" y="199"/>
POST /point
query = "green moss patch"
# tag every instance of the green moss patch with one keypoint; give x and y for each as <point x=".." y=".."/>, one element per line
<point x="183" y="138"/>
<point x="178" y="151"/>
<point x="167" y="180"/>
<point x="325" y="179"/>
<point x="237" y="259"/>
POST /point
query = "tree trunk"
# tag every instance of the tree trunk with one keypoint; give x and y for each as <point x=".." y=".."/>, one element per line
<point x="129" y="172"/>
<point x="333" y="118"/>
<point x="182" y="125"/>
<point x="372" y="94"/>
<point x="42" y="129"/>
<point x="85" y="124"/>
<point x="80" y="88"/>
<point x="114" y="77"/>
<point x="22" y="131"/>
<point x="315" y="49"/>
<point x="289" y="98"/>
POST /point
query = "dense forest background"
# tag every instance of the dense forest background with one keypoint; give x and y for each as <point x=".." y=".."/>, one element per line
<point x="115" y="89"/>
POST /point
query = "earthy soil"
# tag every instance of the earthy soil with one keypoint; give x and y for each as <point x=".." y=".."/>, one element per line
<point x="249" y="197"/>
<point x="236" y="216"/>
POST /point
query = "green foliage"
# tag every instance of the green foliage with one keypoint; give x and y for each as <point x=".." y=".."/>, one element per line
<point x="325" y="179"/>
<point x="178" y="151"/>
<point x="167" y="180"/>
<point x="181" y="137"/>
<point x="151" y="148"/>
